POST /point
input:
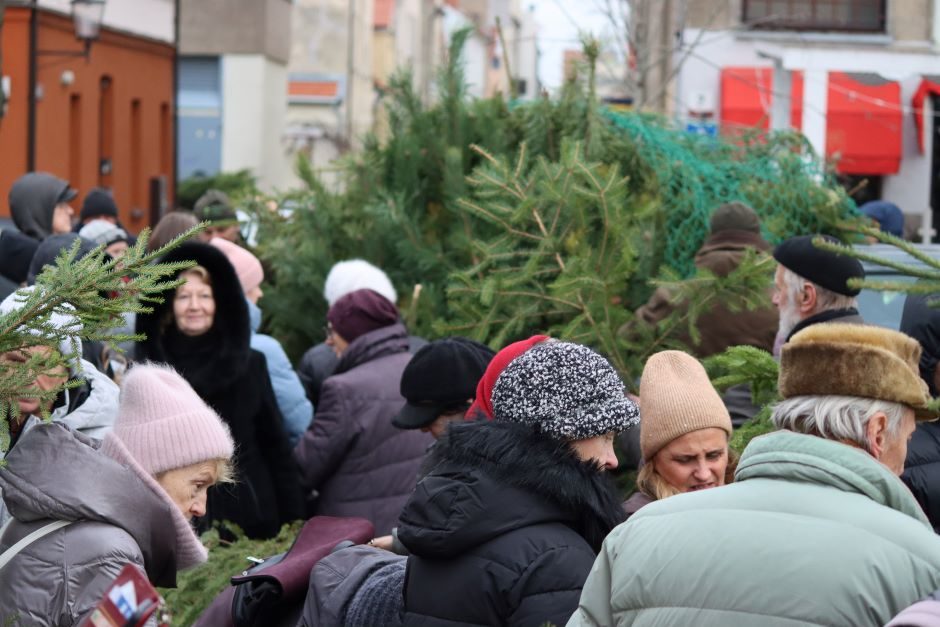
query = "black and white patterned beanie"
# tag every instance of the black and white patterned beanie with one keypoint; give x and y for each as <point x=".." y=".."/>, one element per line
<point x="566" y="390"/>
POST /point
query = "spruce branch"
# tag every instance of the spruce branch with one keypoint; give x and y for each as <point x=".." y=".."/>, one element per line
<point x="93" y="293"/>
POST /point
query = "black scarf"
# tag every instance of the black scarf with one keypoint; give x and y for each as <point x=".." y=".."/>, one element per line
<point x="823" y="316"/>
<point x="201" y="361"/>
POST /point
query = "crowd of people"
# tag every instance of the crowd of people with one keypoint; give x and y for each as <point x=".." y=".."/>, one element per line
<point x="487" y="476"/>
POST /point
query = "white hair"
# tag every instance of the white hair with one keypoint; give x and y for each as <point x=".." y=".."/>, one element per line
<point x="825" y="299"/>
<point x="356" y="274"/>
<point x="836" y="417"/>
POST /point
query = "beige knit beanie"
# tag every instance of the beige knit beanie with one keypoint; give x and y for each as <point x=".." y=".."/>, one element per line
<point x="676" y="397"/>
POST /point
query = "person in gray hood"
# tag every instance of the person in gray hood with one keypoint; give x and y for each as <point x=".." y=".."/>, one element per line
<point x="39" y="204"/>
<point x="129" y="501"/>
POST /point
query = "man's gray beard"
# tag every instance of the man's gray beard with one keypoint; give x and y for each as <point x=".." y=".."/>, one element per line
<point x="789" y="318"/>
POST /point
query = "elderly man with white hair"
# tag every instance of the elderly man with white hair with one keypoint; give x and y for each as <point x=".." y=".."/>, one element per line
<point x="817" y="528"/>
<point x="811" y="286"/>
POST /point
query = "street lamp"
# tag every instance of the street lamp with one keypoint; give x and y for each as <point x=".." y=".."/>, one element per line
<point x="87" y="16"/>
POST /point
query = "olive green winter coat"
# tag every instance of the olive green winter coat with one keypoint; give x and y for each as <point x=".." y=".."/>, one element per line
<point x="812" y="532"/>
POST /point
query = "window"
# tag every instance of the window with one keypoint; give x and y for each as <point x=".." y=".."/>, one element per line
<point x="866" y="16"/>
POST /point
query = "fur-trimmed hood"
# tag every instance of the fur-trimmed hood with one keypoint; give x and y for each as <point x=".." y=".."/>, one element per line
<point x="489" y="478"/>
<point x="217" y="358"/>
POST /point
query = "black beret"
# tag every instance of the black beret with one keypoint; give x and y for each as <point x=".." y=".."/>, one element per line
<point x="824" y="268"/>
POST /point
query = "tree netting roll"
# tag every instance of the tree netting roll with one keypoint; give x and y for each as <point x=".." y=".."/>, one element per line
<point x="776" y="174"/>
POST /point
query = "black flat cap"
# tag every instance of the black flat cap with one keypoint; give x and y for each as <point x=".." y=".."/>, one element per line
<point x="440" y="378"/>
<point x="826" y="269"/>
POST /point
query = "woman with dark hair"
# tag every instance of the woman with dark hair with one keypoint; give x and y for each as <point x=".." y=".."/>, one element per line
<point x="169" y="228"/>
<point x="202" y="330"/>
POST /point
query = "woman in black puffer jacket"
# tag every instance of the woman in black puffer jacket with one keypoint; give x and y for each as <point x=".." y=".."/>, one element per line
<point x="505" y="528"/>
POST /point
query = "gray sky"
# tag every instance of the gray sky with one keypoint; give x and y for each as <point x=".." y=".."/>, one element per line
<point x="559" y="22"/>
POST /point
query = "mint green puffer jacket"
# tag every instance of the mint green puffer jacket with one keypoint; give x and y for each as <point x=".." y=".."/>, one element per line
<point x="812" y="532"/>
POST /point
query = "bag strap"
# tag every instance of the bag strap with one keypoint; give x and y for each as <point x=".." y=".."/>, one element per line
<point x="11" y="552"/>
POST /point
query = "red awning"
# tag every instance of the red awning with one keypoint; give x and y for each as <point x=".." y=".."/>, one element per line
<point x="863" y="123"/>
<point x="929" y="86"/>
<point x="747" y="95"/>
<point x="863" y="119"/>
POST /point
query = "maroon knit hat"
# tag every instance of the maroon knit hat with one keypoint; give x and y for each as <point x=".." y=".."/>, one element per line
<point x="360" y="312"/>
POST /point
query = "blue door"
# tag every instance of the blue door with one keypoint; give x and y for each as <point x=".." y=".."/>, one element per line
<point x="200" y="117"/>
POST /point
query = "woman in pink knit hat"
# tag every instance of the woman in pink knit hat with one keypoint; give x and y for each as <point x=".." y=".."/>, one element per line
<point x="92" y="510"/>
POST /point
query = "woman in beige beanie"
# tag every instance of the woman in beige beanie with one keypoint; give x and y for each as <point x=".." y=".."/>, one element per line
<point x="684" y="431"/>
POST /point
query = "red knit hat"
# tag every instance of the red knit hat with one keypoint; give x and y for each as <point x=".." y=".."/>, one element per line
<point x="483" y="404"/>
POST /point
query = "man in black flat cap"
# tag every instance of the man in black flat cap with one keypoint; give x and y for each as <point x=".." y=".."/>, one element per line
<point x="440" y="382"/>
<point x="811" y="286"/>
<point x="439" y="385"/>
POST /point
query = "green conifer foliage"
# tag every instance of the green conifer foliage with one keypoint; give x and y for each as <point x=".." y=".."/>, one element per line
<point x="445" y="206"/>
<point x="93" y="292"/>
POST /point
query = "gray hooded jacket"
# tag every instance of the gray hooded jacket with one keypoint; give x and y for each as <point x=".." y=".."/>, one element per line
<point x="93" y="417"/>
<point x="33" y="198"/>
<point x="121" y="517"/>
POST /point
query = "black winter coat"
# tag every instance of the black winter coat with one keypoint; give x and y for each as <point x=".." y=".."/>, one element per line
<point x="233" y="380"/>
<point x="922" y="466"/>
<point x="504" y="530"/>
<point x="922" y="469"/>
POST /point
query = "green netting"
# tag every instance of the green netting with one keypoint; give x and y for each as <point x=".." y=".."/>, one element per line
<point x="778" y="175"/>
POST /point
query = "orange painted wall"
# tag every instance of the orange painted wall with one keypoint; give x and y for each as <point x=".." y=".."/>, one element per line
<point x="69" y="129"/>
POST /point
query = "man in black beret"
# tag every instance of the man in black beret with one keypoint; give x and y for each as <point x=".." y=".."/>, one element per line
<point x="811" y="286"/>
<point x="440" y="382"/>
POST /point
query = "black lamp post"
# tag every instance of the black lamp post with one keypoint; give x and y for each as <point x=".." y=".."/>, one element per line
<point x="86" y="17"/>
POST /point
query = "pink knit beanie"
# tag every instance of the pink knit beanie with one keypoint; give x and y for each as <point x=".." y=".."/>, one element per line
<point x="247" y="267"/>
<point x="164" y="424"/>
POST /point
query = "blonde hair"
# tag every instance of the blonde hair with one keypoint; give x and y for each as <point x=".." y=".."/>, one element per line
<point x="224" y="470"/>
<point x="652" y="484"/>
<point x="199" y="272"/>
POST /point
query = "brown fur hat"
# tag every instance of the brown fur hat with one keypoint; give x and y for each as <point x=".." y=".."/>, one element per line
<point x="854" y="360"/>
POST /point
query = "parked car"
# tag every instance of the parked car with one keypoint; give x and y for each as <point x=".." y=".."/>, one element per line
<point x="884" y="308"/>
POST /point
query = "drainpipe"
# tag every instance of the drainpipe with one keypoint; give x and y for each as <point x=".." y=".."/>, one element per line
<point x="174" y="161"/>
<point x="31" y="88"/>
<point x="350" y="69"/>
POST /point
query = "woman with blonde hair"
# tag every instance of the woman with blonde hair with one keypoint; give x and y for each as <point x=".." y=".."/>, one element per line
<point x="684" y="431"/>
<point x="202" y="329"/>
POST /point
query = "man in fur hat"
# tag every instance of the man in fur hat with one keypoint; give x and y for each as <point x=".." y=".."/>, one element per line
<point x="817" y="527"/>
